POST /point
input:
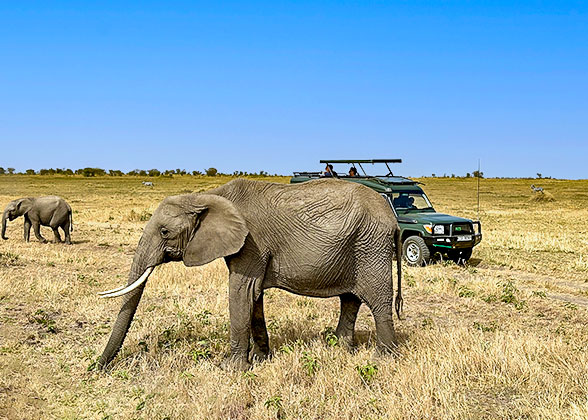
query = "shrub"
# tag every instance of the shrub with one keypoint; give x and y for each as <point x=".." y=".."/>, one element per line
<point x="367" y="372"/>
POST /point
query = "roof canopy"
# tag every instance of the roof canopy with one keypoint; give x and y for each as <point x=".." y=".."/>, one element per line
<point x="361" y="161"/>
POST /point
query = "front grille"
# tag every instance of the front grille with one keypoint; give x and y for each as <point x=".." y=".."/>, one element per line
<point x="462" y="229"/>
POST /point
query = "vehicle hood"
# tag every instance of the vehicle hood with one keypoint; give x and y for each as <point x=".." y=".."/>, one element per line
<point x="429" y="217"/>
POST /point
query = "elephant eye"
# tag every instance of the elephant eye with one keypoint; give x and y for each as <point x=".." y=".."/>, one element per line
<point x="164" y="231"/>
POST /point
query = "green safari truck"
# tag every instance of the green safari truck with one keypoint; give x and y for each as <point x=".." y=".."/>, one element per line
<point x="425" y="232"/>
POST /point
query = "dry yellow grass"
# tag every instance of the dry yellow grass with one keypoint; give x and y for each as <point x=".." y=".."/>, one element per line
<point x="505" y="337"/>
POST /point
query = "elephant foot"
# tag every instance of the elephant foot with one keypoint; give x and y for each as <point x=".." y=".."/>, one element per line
<point x="347" y="342"/>
<point x="383" y="352"/>
<point x="43" y="241"/>
<point x="237" y="363"/>
<point x="257" y="354"/>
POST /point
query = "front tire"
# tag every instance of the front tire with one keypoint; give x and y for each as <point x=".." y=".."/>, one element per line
<point x="415" y="251"/>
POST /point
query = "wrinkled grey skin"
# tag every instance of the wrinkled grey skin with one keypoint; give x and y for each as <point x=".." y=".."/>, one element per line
<point x="322" y="238"/>
<point x="49" y="211"/>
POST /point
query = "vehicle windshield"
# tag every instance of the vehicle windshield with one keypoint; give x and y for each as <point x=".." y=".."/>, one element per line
<point x="410" y="201"/>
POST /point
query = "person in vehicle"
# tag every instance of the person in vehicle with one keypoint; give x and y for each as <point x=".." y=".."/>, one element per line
<point x="352" y="171"/>
<point x="402" y="201"/>
<point x="329" y="172"/>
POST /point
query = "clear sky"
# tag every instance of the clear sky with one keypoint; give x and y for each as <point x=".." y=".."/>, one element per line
<point x="278" y="85"/>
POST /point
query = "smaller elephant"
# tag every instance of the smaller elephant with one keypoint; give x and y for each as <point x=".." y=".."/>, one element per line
<point x="49" y="211"/>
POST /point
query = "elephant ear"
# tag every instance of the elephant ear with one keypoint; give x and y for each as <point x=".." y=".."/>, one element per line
<point x="23" y="206"/>
<point x="220" y="229"/>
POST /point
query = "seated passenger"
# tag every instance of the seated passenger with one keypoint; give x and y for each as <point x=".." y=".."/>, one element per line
<point x="352" y="171"/>
<point x="402" y="201"/>
<point x="411" y="203"/>
<point x="329" y="172"/>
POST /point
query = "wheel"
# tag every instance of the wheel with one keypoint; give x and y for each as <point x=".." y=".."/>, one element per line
<point x="415" y="251"/>
<point x="461" y="256"/>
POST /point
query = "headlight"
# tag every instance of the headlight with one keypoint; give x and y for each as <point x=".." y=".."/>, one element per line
<point x="439" y="230"/>
<point x="428" y="228"/>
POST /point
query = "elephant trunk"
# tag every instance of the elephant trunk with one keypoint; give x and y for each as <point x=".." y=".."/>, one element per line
<point x="4" y="217"/>
<point x="126" y="313"/>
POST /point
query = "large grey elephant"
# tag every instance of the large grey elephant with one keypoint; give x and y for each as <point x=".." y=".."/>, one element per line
<point x="323" y="238"/>
<point x="49" y="211"/>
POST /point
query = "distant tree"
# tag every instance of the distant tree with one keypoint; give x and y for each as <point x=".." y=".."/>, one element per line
<point x="115" y="172"/>
<point x="30" y="172"/>
<point x="211" y="172"/>
<point x="68" y="172"/>
<point x="133" y="172"/>
<point x="11" y="171"/>
<point x="2" y="171"/>
<point x="90" y="172"/>
<point x="433" y="175"/>
<point x="168" y="172"/>
<point x="468" y="175"/>
<point x="452" y="175"/>
<point x="195" y="173"/>
<point x="478" y="174"/>
<point x="154" y="172"/>
<point x="539" y="175"/>
<point x="142" y="172"/>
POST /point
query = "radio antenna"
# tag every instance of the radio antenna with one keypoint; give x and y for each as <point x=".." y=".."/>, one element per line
<point x="479" y="175"/>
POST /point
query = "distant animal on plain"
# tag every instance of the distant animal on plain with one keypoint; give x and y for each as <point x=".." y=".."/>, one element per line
<point x="49" y="211"/>
<point x="147" y="183"/>
<point x="322" y="238"/>
<point x="536" y="189"/>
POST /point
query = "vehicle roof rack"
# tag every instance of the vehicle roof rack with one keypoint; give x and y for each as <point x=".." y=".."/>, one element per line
<point x="360" y="161"/>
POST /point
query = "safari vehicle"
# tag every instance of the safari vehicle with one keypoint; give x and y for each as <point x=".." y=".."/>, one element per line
<point x="424" y="232"/>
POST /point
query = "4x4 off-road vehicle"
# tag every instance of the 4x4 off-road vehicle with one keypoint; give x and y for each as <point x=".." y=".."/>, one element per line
<point x="424" y="231"/>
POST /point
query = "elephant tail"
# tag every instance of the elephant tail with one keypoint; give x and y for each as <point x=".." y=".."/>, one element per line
<point x="70" y="220"/>
<point x="398" y="303"/>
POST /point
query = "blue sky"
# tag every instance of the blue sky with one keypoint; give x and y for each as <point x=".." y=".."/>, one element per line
<point x="276" y="86"/>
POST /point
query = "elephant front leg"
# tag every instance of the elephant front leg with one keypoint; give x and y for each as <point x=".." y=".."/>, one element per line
<point x="345" y="329"/>
<point x="37" y="230"/>
<point x="260" y="350"/>
<point x="240" y="312"/>
<point x="27" y="229"/>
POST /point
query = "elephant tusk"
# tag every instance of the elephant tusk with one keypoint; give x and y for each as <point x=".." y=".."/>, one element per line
<point x="111" y="291"/>
<point x="124" y="290"/>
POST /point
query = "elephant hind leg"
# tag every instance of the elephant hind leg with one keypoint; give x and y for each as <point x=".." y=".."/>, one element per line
<point x="66" y="230"/>
<point x="56" y="234"/>
<point x="379" y="297"/>
<point x="345" y="329"/>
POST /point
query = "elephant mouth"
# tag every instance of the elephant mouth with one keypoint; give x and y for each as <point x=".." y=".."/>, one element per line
<point x="173" y="254"/>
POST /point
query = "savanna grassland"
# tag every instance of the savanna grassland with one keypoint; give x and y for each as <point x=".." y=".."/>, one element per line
<point x="504" y="337"/>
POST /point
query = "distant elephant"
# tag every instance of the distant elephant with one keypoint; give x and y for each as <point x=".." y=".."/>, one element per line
<point x="49" y="211"/>
<point x="323" y="238"/>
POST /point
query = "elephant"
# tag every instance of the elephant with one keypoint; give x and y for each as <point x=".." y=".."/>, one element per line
<point x="49" y="211"/>
<point x="323" y="238"/>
